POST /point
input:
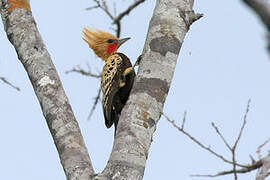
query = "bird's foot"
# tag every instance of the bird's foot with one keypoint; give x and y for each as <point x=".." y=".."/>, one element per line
<point x="122" y="83"/>
<point x="127" y="71"/>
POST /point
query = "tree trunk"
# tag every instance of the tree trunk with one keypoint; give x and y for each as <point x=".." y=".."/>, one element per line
<point x="170" y="22"/>
<point x="22" y="32"/>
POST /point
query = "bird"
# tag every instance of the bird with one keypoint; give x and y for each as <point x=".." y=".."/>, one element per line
<point x="117" y="76"/>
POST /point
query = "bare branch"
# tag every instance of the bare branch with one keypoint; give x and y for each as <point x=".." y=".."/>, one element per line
<point x="81" y="71"/>
<point x="248" y="168"/>
<point x="102" y="4"/>
<point x="184" y="120"/>
<point x="92" y="7"/>
<point x="243" y="126"/>
<point x="233" y="149"/>
<point x="221" y="136"/>
<point x="244" y="168"/>
<point x="118" y="29"/>
<point x="48" y="88"/>
<point x="104" y="7"/>
<point x="78" y="69"/>
<point x="9" y="83"/>
<point x="128" y="10"/>
<point x="97" y="98"/>
<point x="238" y="139"/>
<point x="259" y="149"/>
<point x="264" y="171"/>
<point x="199" y="143"/>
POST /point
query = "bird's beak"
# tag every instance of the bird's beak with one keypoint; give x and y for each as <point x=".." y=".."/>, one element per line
<point x="122" y="41"/>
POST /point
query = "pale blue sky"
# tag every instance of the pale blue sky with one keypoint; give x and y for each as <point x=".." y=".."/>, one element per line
<point x="223" y="62"/>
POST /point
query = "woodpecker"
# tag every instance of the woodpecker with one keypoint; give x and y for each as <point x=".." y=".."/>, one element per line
<point x="117" y="76"/>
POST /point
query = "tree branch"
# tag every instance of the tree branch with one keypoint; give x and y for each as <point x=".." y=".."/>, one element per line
<point x="264" y="171"/>
<point x="9" y="83"/>
<point x="115" y="19"/>
<point x="259" y="149"/>
<point x="142" y="112"/>
<point x="22" y="32"/>
<point x="128" y="10"/>
<point x="248" y="168"/>
<point x="207" y="148"/>
<point x="81" y="71"/>
<point x="243" y="126"/>
<point x="233" y="148"/>
<point x="244" y="167"/>
<point x="263" y="163"/>
<point x="221" y="136"/>
<point x="262" y="9"/>
<point x="97" y="98"/>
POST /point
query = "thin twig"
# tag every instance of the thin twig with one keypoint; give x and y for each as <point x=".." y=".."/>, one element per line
<point x="233" y="148"/>
<point x="92" y="7"/>
<point x="244" y="168"/>
<point x="259" y="149"/>
<point x="127" y="11"/>
<point x="238" y="139"/>
<point x="230" y="148"/>
<point x="104" y="7"/>
<point x="95" y="104"/>
<point x="78" y="69"/>
<point x="243" y="126"/>
<point x="248" y="168"/>
<point x="221" y="136"/>
<point x="199" y="143"/>
<point x="117" y="20"/>
<point x="102" y="4"/>
<point x="184" y="120"/>
<point x="9" y="83"/>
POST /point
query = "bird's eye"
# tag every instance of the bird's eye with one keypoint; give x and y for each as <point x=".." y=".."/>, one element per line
<point x="110" y="41"/>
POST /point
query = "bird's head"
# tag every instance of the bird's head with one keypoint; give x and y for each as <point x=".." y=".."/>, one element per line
<point x="103" y="43"/>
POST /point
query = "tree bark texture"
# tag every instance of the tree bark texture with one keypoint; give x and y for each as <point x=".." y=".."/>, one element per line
<point x="264" y="170"/>
<point x="169" y="24"/>
<point x="22" y="32"/>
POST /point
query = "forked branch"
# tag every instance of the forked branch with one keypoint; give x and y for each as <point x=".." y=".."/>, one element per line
<point x="243" y="168"/>
<point x="116" y="19"/>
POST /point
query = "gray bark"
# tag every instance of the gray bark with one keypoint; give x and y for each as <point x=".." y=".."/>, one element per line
<point x="22" y="32"/>
<point x="264" y="171"/>
<point x="170" y="22"/>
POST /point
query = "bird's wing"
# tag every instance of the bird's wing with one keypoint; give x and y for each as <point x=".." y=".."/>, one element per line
<point x="128" y="76"/>
<point x="110" y="84"/>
